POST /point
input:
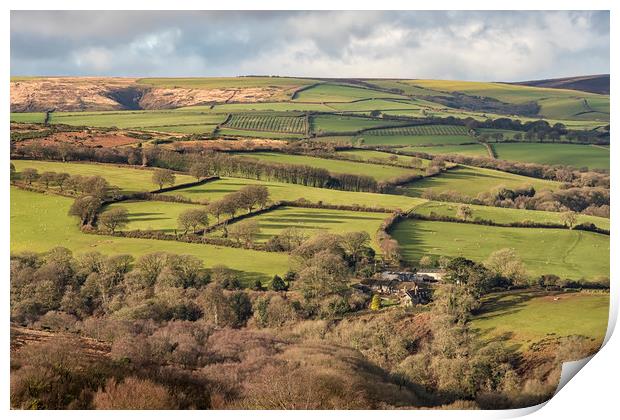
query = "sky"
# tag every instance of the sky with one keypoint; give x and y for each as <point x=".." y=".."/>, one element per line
<point x="477" y="45"/>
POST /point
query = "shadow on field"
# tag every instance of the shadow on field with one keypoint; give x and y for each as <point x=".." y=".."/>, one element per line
<point x="506" y="303"/>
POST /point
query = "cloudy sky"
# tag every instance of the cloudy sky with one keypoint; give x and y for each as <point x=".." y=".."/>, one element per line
<point x="499" y="46"/>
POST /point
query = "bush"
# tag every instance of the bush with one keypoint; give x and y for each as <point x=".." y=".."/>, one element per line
<point x="133" y="394"/>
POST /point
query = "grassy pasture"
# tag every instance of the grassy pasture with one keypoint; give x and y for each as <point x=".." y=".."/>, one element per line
<point x="154" y="215"/>
<point x="128" y="179"/>
<point x="406" y="140"/>
<point x="327" y="92"/>
<point x="526" y="317"/>
<point x="566" y="253"/>
<point x="282" y="191"/>
<point x="272" y="123"/>
<point x="378" y="157"/>
<point x="135" y="119"/>
<point x="463" y="149"/>
<point x="313" y="221"/>
<point x="422" y="130"/>
<point x="344" y="123"/>
<point x="376" y="105"/>
<point x="505" y="215"/>
<point x="39" y="222"/>
<point x="28" y="117"/>
<point x="379" y="172"/>
<point x="575" y="155"/>
<point x="264" y="106"/>
<point x="471" y="181"/>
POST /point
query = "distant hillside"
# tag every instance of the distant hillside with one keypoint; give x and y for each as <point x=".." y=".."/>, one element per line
<point x="598" y="83"/>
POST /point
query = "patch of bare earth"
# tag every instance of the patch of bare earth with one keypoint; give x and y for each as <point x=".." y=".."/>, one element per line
<point x="84" y="138"/>
<point x="21" y="336"/>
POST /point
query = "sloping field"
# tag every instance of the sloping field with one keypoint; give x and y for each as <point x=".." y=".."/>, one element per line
<point x="313" y="221"/>
<point x="464" y="149"/>
<point x="566" y="253"/>
<point x="279" y="191"/>
<point x="272" y="123"/>
<point x="342" y="123"/>
<point x="327" y="92"/>
<point x="555" y="103"/>
<point x="505" y="215"/>
<point x="130" y="119"/>
<point x="575" y="155"/>
<point x="379" y="172"/>
<point x="128" y="179"/>
<point x="381" y="157"/>
<point x="422" y="130"/>
<point x="186" y="129"/>
<point x="469" y="180"/>
<point x="154" y="215"/>
<point x="527" y="317"/>
<point x="406" y="140"/>
<point x="368" y="105"/>
<point x="238" y="132"/>
<point x="39" y="222"/>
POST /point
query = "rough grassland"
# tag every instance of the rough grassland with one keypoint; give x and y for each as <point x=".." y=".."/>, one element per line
<point x="379" y="172"/>
<point x="566" y="253"/>
<point x="471" y="181"/>
<point x="282" y="191"/>
<point x="186" y="129"/>
<point x="156" y="215"/>
<point x="505" y="215"/>
<point x="224" y="82"/>
<point x="575" y="155"/>
<point x="126" y="178"/>
<point x="313" y="221"/>
<point x="524" y="318"/>
<point x="39" y="222"/>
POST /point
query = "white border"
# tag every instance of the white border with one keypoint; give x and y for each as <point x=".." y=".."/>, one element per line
<point x="592" y="395"/>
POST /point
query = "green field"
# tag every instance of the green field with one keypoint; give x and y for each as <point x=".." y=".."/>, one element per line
<point x="379" y="157"/>
<point x="40" y="222"/>
<point x="313" y="221"/>
<point x="28" y="117"/>
<point x="136" y="119"/>
<point x="128" y="179"/>
<point x="575" y="155"/>
<point x="464" y="149"/>
<point x="524" y="318"/>
<point x="154" y="215"/>
<point x="422" y="130"/>
<point x="470" y="181"/>
<point x="279" y="191"/>
<point x="327" y="92"/>
<point x="396" y="140"/>
<point x="376" y="105"/>
<point x="273" y="123"/>
<point x="345" y="124"/>
<point x="506" y="215"/>
<point x="555" y="103"/>
<point x="566" y="253"/>
<point x="379" y="172"/>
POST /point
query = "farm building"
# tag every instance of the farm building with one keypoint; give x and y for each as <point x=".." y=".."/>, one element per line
<point x="430" y="275"/>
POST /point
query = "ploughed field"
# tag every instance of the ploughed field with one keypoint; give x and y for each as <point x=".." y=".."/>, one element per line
<point x="567" y="253"/>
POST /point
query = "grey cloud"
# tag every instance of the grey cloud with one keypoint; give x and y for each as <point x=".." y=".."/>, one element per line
<point x="476" y="45"/>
